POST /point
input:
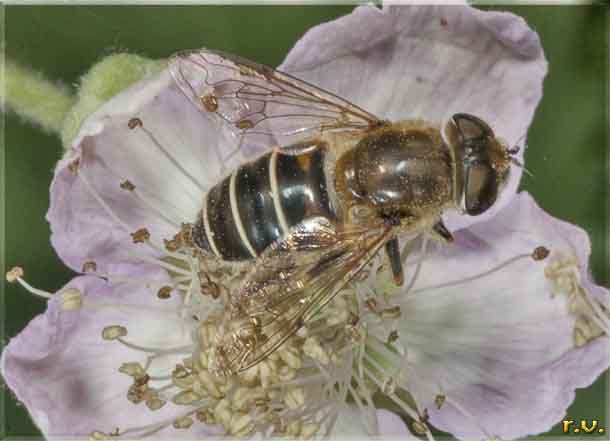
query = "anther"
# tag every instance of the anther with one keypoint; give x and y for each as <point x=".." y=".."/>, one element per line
<point x="89" y="267"/>
<point x="134" y="122"/>
<point x="389" y="386"/>
<point x="424" y="416"/>
<point x="205" y="416"/>
<point x="140" y="236"/>
<point x="114" y="332"/>
<point x="73" y="166"/>
<point x="183" y="423"/>
<point x="419" y="428"/>
<point x="295" y="398"/>
<point x="171" y="245"/>
<point x="186" y="234"/>
<point x="391" y="313"/>
<point x="439" y="400"/>
<point x="132" y="369"/>
<point x="540" y="253"/>
<point x="71" y="299"/>
<point x="99" y="436"/>
<point x="371" y="304"/>
<point x="186" y="397"/>
<point x="241" y="425"/>
<point x="14" y="274"/>
<point x="155" y="403"/>
<point x="127" y="185"/>
<point x="164" y="292"/>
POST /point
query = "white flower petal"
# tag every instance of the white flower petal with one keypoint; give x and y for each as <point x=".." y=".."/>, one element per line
<point x="67" y="376"/>
<point x="350" y="426"/>
<point x="109" y="152"/>
<point x="502" y="346"/>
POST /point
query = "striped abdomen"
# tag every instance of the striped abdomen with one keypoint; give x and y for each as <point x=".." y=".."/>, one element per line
<point x="249" y="210"/>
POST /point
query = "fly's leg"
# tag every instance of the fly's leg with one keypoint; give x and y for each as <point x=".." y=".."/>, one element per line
<point x="441" y="233"/>
<point x="393" y="251"/>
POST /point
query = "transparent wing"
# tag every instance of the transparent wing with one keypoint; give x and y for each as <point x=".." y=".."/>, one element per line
<point x="288" y="285"/>
<point x="263" y="106"/>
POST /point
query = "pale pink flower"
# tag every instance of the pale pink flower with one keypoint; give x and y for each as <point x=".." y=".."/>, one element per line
<point x="493" y="337"/>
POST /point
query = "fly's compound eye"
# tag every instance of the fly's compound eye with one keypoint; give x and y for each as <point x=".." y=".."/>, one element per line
<point x="480" y="187"/>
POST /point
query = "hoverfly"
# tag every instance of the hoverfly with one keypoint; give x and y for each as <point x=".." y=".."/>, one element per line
<point x="335" y="186"/>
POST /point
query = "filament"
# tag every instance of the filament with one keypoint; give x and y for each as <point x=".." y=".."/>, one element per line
<point x="463" y="411"/>
<point x="157" y="351"/>
<point x="37" y="292"/>
<point x="424" y="248"/>
<point x="475" y="277"/>
<point x="172" y="159"/>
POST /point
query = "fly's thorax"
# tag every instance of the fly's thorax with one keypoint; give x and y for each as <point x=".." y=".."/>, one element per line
<point x="482" y="163"/>
<point x="403" y="168"/>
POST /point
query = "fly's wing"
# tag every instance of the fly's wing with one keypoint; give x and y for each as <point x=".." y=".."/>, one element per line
<point x="263" y="106"/>
<point x="288" y="285"/>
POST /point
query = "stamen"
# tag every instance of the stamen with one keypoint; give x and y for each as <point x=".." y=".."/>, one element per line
<point x="363" y="390"/>
<point x="165" y="292"/>
<point x="114" y="332"/>
<point x="424" y="249"/>
<point x="157" y="351"/>
<point x="16" y="275"/>
<point x="597" y="311"/>
<point x="89" y="267"/>
<point x="126" y="184"/>
<point x="109" y="211"/>
<point x="151" y="429"/>
<point x="475" y="277"/>
<point x="401" y="403"/>
<point x="139" y="236"/>
<point x="168" y="266"/>
<point x="131" y="188"/>
<point x="173" y="160"/>
<point x="71" y="299"/>
<point x="144" y="281"/>
<point x="471" y="417"/>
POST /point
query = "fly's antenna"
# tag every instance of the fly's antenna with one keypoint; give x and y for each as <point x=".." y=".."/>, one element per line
<point x="515" y="148"/>
<point x="512" y="151"/>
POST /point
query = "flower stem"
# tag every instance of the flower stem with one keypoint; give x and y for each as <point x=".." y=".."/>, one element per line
<point x="34" y="98"/>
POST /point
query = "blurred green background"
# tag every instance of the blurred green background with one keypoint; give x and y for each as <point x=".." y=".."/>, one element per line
<point x="568" y="140"/>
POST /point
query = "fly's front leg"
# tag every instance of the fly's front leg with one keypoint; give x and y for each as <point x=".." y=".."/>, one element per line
<point x="440" y="232"/>
<point x="392" y="249"/>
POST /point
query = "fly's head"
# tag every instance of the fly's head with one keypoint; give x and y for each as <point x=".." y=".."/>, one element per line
<point x="482" y="162"/>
